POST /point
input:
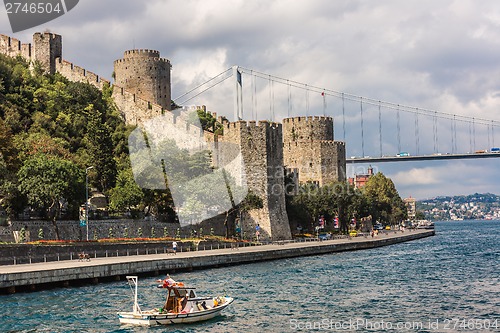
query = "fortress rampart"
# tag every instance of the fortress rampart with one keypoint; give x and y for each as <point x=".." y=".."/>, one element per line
<point x="47" y="50"/>
<point x="77" y="74"/>
<point x="142" y="91"/>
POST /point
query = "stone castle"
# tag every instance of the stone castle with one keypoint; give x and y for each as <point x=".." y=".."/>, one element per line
<point x="142" y="91"/>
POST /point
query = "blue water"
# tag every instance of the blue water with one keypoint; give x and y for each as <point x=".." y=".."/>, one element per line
<point x="450" y="280"/>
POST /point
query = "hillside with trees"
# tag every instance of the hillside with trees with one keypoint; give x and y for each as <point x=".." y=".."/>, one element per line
<point x="475" y="206"/>
<point x="51" y="130"/>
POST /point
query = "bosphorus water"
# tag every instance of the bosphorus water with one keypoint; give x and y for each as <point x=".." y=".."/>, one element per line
<point x="446" y="283"/>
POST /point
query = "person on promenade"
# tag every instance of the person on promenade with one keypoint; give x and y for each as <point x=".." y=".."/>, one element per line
<point x="174" y="246"/>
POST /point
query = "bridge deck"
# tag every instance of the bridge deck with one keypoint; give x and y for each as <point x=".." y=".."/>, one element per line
<point x="359" y="160"/>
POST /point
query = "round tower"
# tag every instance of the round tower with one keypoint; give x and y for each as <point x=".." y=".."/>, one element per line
<point x="145" y="74"/>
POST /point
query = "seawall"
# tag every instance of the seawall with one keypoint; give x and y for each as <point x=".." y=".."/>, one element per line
<point x="39" y="276"/>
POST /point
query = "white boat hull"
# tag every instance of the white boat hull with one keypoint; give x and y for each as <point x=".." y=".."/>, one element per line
<point x="151" y="318"/>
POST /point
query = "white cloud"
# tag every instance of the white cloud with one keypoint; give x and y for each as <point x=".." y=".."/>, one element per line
<point x="434" y="55"/>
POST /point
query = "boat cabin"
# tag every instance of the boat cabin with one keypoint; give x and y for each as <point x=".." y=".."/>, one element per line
<point x="182" y="300"/>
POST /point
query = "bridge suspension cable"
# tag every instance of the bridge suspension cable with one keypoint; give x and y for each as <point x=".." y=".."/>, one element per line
<point x="369" y="101"/>
<point x="364" y="110"/>
<point x="229" y="70"/>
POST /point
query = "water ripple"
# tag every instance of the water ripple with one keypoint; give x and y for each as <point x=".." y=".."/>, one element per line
<point x="451" y="275"/>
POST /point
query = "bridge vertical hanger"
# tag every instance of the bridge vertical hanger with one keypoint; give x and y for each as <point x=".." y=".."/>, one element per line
<point x="492" y="135"/>
<point x="380" y="128"/>
<point x="399" y="130"/>
<point x="417" y="134"/>
<point x="362" y="130"/>
<point x="343" y="116"/>
<point x="238" y="94"/>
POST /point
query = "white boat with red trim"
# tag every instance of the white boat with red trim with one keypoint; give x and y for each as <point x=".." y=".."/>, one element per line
<point x="182" y="305"/>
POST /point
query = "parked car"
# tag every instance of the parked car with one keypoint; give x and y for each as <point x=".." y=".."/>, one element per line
<point x="353" y="233"/>
<point x="378" y="226"/>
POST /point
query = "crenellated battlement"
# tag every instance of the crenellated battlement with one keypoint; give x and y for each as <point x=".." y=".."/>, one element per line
<point x="242" y="124"/>
<point x="45" y="49"/>
<point x="78" y="74"/>
<point x="141" y="53"/>
<point x="309" y="145"/>
<point x="307" y="119"/>
<point x="332" y="143"/>
<point x="13" y="47"/>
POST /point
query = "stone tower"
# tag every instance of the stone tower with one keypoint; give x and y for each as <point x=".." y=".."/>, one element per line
<point x="47" y="48"/>
<point x="144" y="73"/>
<point x="261" y="147"/>
<point x="309" y="147"/>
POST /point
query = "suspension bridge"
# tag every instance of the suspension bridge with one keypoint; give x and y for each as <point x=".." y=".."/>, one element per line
<point x="374" y="130"/>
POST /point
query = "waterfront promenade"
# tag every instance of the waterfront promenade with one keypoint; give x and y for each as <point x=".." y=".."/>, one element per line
<point x="31" y="277"/>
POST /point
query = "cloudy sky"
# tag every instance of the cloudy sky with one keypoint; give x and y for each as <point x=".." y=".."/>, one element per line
<point x="438" y="55"/>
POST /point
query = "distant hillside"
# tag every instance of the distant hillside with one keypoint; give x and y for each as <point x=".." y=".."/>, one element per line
<point x="466" y="207"/>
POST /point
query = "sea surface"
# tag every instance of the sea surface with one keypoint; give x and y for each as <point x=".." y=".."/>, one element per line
<point x="446" y="283"/>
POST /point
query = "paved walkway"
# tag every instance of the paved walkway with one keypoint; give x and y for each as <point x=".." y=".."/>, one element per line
<point x="95" y="262"/>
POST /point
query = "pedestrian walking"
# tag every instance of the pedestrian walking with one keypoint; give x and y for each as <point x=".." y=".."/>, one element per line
<point x="174" y="246"/>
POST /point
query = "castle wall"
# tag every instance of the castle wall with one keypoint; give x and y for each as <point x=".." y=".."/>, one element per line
<point x="261" y="148"/>
<point x="12" y="47"/>
<point x="77" y="74"/>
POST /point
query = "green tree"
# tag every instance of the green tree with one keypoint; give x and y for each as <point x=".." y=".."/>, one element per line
<point x="386" y="205"/>
<point x="126" y="194"/>
<point x="100" y="148"/>
<point x="48" y="181"/>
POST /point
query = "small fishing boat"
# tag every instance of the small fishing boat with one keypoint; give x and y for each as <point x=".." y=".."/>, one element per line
<point x="181" y="306"/>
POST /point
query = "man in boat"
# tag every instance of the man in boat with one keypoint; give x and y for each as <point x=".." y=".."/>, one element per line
<point x="169" y="282"/>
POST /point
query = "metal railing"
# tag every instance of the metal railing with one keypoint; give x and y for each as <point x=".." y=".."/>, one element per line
<point x="167" y="250"/>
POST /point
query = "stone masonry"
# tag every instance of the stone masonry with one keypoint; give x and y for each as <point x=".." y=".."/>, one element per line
<point x="145" y="74"/>
<point x="261" y="146"/>
<point x="309" y="147"/>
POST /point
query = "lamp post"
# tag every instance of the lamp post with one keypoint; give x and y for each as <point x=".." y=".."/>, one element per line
<point x="87" y="199"/>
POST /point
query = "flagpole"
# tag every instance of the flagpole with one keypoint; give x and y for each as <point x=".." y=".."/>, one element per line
<point x="324" y="103"/>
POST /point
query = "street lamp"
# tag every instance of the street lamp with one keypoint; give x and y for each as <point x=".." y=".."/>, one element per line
<point x="87" y="199"/>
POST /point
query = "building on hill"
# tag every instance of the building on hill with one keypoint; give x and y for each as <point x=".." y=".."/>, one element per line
<point x="358" y="181"/>
<point x="411" y="206"/>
